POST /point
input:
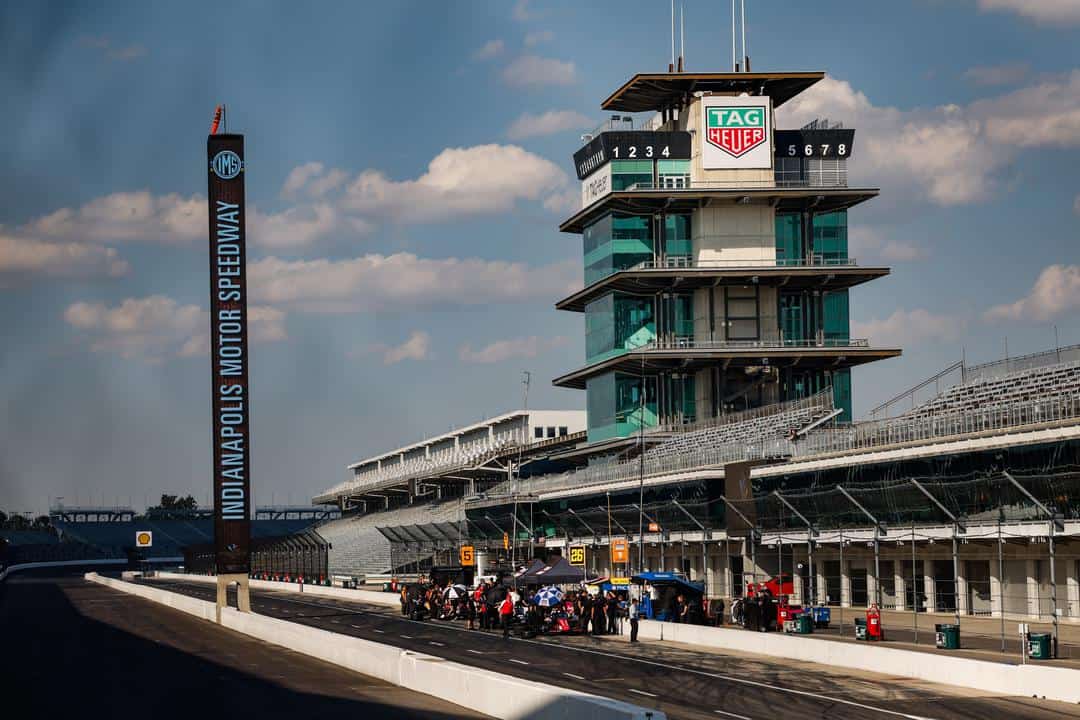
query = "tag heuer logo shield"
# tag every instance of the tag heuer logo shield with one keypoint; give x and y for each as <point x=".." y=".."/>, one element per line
<point x="735" y="130"/>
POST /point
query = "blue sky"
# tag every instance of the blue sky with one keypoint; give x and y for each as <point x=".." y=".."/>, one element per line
<point x="408" y="164"/>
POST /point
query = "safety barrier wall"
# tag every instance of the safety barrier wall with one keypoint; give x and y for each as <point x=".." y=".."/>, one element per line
<point x="1053" y="683"/>
<point x="365" y="596"/>
<point x="486" y="692"/>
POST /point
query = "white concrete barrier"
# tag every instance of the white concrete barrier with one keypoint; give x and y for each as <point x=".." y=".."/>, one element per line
<point x="487" y="692"/>
<point x="365" y="596"/>
<point x="1053" y="683"/>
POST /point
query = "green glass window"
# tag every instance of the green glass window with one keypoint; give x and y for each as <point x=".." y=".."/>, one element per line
<point x="789" y="237"/>
<point x="677" y="243"/>
<point x="841" y="384"/>
<point x="616" y="242"/>
<point x="837" y="322"/>
<point x="792" y="321"/>
<point x="673" y="173"/>
<point x="625" y="173"/>
<point x="616" y="323"/>
<point x="614" y="405"/>
<point x="830" y="235"/>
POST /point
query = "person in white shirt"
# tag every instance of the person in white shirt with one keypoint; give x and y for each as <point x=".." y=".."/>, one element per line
<point x="632" y="613"/>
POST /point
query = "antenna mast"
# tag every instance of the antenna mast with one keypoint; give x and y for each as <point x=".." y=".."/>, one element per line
<point x="671" y="65"/>
<point x="742" y="23"/>
<point x="682" y="36"/>
<point x="734" y="61"/>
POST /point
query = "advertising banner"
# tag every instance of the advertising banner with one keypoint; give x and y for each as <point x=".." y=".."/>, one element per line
<point x="229" y="354"/>
<point x="736" y="133"/>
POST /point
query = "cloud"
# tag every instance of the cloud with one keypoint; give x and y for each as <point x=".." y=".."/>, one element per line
<point x="458" y="182"/>
<point x="293" y="228"/>
<point x="540" y="36"/>
<point x="22" y="258"/>
<point x="313" y="179"/>
<point x="907" y="327"/>
<point x="532" y="71"/>
<point x="952" y="154"/>
<point x="415" y="348"/>
<point x="1076" y="205"/>
<point x="548" y="123"/>
<point x="1007" y="74"/>
<point x="1056" y="291"/>
<point x="137" y="216"/>
<point x="1041" y="11"/>
<point x="105" y="46"/>
<point x="154" y="327"/>
<point x="565" y="202"/>
<point x="522" y="12"/>
<point x="490" y="49"/>
<point x="500" y="350"/>
<point x="872" y="244"/>
<point x="403" y="281"/>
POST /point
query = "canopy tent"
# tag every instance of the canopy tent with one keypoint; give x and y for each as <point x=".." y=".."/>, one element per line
<point x="557" y="572"/>
<point x="532" y="567"/>
<point x="667" y="586"/>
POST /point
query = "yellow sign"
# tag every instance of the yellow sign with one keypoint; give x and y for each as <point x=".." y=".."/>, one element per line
<point x="144" y="538"/>
<point x="619" y="581"/>
<point x="506" y="541"/>
<point x="468" y="556"/>
<point x="620" y="550"/>
<point x="577" y="555"/>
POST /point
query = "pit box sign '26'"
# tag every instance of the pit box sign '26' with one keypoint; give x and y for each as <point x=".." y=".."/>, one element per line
<point x="737" y="133"/>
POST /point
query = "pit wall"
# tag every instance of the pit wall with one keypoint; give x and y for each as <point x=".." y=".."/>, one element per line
<point x="486" y="692"/>
<point x="365" y="596"/>
<point x="1052" y="683"/>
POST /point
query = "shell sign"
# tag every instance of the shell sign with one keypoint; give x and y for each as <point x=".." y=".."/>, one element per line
<point x="144" y="539"/>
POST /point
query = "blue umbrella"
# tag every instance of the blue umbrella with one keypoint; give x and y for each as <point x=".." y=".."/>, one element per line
<point x="548" y="596"/>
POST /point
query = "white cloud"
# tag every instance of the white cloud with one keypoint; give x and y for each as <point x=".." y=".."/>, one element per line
<point x="1006" y="74"/>
<point x="907" y="327"/>
<point x="951" y="154"/>
<point x="127" y="216"/>
<point x="1041" y="11"/>
<point x="871" y="244"/>
<point x="295" y="227"/>
<point x="415" y="348"/>
<point x="403" y="281"/>
<point x="532" y="70"/>
<point x="458" y="181"/>
<point x="299" y="177"/>
<point x="490" y="49"/>
<point x="154" y="327"/>
<point x="314" y="179"/>
<point x="548" y="123"/>
<point x="24" y="257"/>
<point x="500" y="350"/>
<point x="540" y="36"/>
<point x="1056" y="291"/>
<point x="565" y="202"/>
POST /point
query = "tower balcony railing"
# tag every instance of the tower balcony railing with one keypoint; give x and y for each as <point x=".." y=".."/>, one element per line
<point x="682" y="183"/>
<point x="675" y="262"/>
<point x="779" y="343"/>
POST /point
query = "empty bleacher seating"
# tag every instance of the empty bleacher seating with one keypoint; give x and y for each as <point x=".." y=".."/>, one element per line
<point x="1039" y="383"/>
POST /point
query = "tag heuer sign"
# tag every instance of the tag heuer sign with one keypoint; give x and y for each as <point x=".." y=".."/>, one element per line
<point x="737" y="133"/>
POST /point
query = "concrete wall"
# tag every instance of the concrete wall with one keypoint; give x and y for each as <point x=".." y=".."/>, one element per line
<point x="1053" y="683"/>
<point x="487" y="692"/>
<point x="731" y="232"/>
<point x="365" y="596"/>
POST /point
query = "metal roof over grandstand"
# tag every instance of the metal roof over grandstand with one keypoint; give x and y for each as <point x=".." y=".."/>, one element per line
<point x="653" y="91"/>
<point x="653" y="200"/>
<point x="688" y="356"/>
<point x="450" y="533"/>
<point x="645" y="280"/>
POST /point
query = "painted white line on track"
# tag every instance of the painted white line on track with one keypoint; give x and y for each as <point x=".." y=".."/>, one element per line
<point x="474" y="652"/>
<point x="436" y="644"/>
<point x="406" y="637"/>
<point x="358" y="627"/>
<point x="381" y="632"/>
<point x="576" y="677"/>
<point x="642" y="692"/>
<point x="725" y="713"/>
<point x="519" y="662"/>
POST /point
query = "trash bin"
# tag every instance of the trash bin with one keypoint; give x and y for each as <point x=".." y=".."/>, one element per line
<point x="822" y="616"/>
<point x="947" y="637"/>
<point x="804" y="624"/>
<point x="1039" y="646"/>
<point x="860" y="628"/>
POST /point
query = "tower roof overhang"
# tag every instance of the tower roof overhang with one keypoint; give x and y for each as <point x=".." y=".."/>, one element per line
<point x="661" y="359"/>
<point x="647" y="92"/>
<point x="647" y="281"/>
<point x="647" y="202"/>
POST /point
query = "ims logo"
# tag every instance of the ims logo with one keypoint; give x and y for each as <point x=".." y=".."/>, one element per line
<point x="735" y="130"/>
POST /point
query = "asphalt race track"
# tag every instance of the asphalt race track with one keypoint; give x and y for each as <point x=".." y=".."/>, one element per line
<point x="74" y="649"/>
<point x="683" y="682"/>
